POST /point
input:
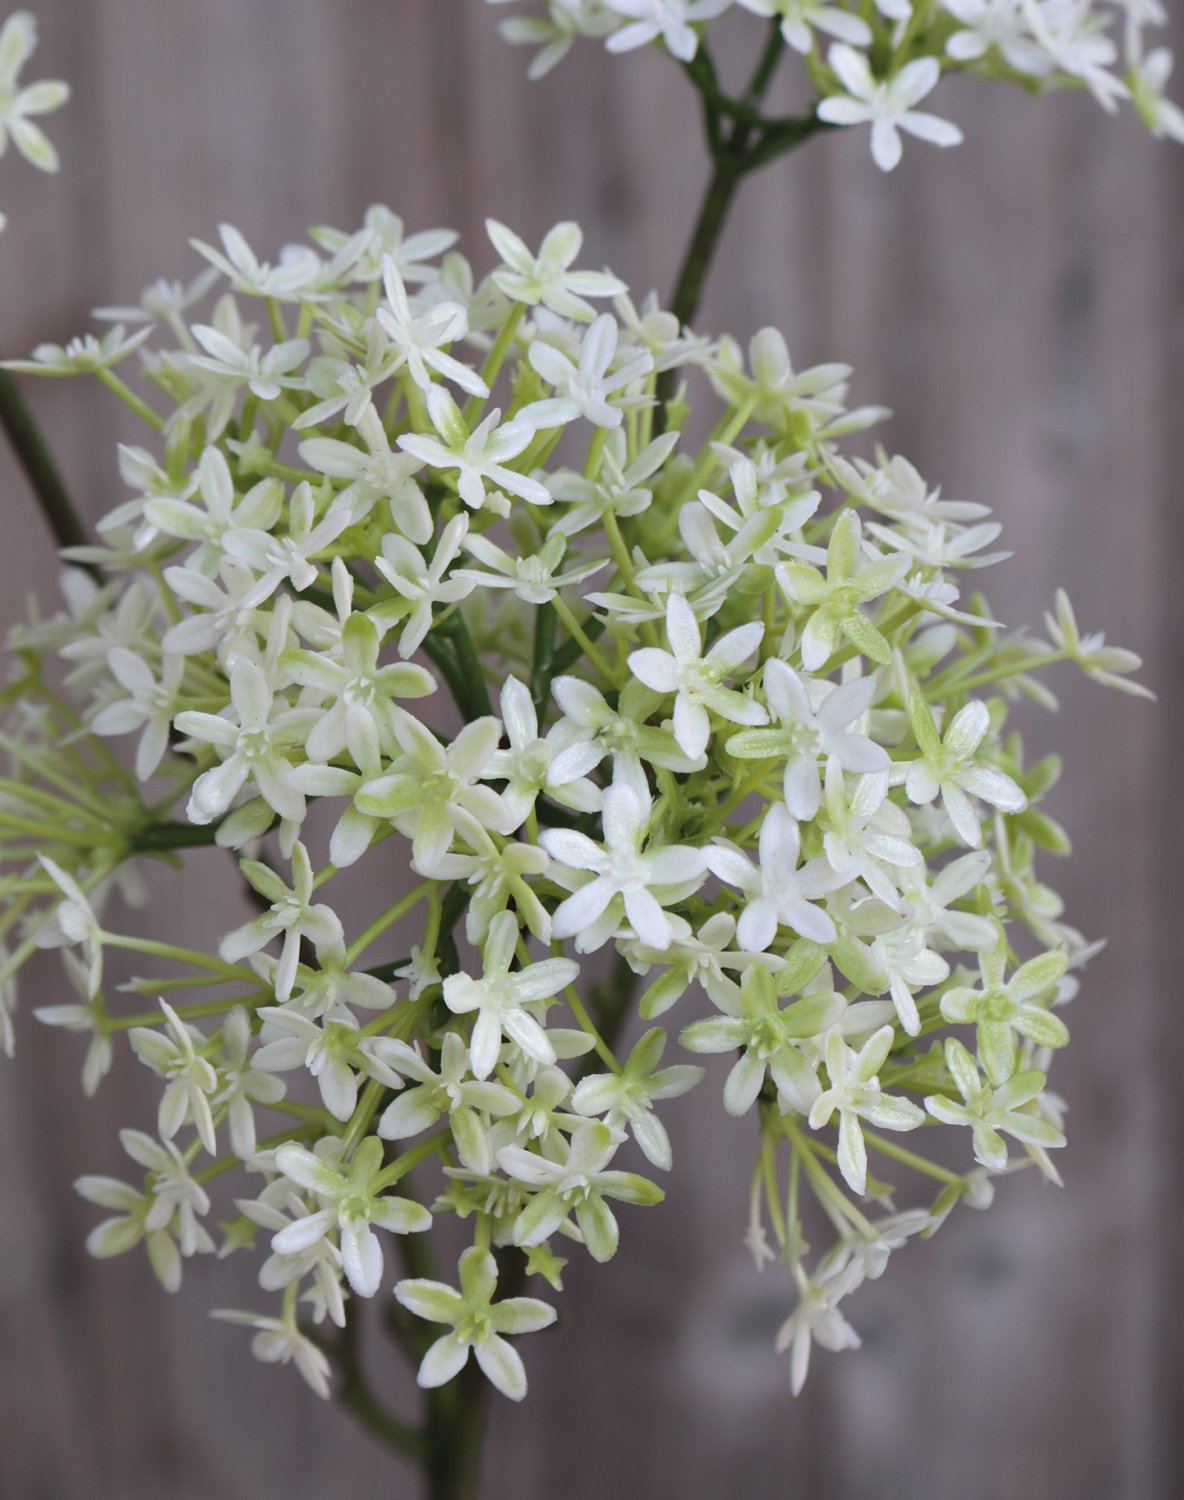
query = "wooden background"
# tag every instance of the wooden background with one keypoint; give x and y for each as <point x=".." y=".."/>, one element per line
<point x="1019" y="303"/>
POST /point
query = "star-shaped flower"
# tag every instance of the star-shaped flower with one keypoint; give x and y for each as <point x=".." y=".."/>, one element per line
<point x="697" y="679"/>
<point x="478" y="1324"/>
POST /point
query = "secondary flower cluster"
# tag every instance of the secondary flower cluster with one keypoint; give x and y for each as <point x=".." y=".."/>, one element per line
<point x="19" y="106"/>
<point x="344" y="619"/>
<point x="881" y="61"/>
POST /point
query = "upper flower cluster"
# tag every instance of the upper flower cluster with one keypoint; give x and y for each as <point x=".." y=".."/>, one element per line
<point x="874" y="64"/>
<point x="419" y="575"/>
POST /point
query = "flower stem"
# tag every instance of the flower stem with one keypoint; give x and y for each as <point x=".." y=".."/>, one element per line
<point x="29" y="447"/>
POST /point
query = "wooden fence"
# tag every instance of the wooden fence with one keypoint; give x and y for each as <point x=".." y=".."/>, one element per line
<point x="1019" y="302"/>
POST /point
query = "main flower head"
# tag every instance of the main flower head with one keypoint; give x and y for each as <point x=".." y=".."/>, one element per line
<point x="345" y="619"/>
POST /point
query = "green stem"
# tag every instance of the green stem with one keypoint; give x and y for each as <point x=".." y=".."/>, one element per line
<point x="131" y="400"/>
<point x="29" y="447"/>
<point x="356" y="1397"/>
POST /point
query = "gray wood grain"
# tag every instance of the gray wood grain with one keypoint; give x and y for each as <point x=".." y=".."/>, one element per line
<point x="1019" y="302"/>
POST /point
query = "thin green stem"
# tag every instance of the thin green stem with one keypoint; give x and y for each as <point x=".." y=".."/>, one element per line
<point x="33" y="455"/>
<point x="131" y="400"/>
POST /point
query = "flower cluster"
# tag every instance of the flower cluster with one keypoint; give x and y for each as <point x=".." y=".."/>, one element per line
<point x="19" y="106"/>
<point x="873" y="65"/>
<point x="421" y="574"/>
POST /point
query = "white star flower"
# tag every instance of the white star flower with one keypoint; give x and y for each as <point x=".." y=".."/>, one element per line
<point x="479" y="457"/>
<point x="419" y="338"/>
<point x="547" y="278"/>
<point x="625" y="874"/>
<point x="888" y="105"/>
<point x="500" y="997"/>
<point x="671" y="20"/>
<point x="777" y="892"/>
<point x="18" y="41"/>
<point x="478" y="1324"/>
<point x="587" y="387"/>
<point x="697" y="679"/>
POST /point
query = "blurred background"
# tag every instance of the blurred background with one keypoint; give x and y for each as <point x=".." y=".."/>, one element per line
<point x="1019" y="303"/>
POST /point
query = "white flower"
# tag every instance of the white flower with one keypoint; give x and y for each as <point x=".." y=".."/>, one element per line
<point x="246" y="273"/>
<point x="815" y="1317"/>
<point x="430" y="786"/>
<point x="800" y="732"/>
<point x="1149" y="81"/>
<point x="697" y="679"/>
<point x="586" y="388"/>
<point x="620" y="732"/>
<point x="1003" y="1010"/>
<point x="480" y="456"/>
<point x="463" y="1099"/>
<point x="377" y="474"/>
<point x="353" y="1204"/>
<point x="1071" y="33"/>
<point x="224" y="622"/>
<point x="625" y="874"/>
<point x="176" y="515"/>
<point x="500" y="997"/>
<point x="888" y="106"/>
<point x="331" y="1052"/>
<point x="865" y="831"/>
<point x="1108" y="665"/>
<point x="81" y="356"/>
<point x="628" y="1097"/>
<point x="577" y="1184"/>
<point x="241" y="1085"/>
<point x="164" y="302"/>
<point x="770" y="1039"/>
<point x="286" y="558"/>
<point x="150" y="705"/>
<point x="166" y="1215"/>
<point x="618" y="489"/>
<point x="547" y="278"/>
<point x="851" y="580"/>
<point x="419" y="584"/>
<point x="533" y="577"/>
<point x="672" y="20"/>
<point x="291" y="912"/>
<point x="990" y="1112"/>
<point x="855" y="1092"/>
<point x="192" y="1079"/>
<point x="995" y="23"/>
<point x="534" y="767"/>
<point x="360" y="694"/>
<point x="799" y="18"/>
<point x="478" y="1323"/>
<point x="777" y="892"/>
<point x="948" y="766"/>
<point x="265" y="374"/>
<point x="258" y="748"/>
<point x="419" y="338"/>
<point x="18" y="40"/>
<point x="73" y="921"/>
<point x="87" y="1019"/>
<point x="279" y="1341"/>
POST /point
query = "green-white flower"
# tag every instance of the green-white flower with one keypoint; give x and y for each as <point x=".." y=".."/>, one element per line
<point x="478" y="1324"/>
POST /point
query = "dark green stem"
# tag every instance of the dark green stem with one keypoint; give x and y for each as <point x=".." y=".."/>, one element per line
<point x="33" y="455"/>
<point x="740" y="139"/>
<point x="454" y="1434"/>
<point x="159" y="837"/>
<point x="356" y="1397"/>
<point x="543" y="666"/>
<point x="451" y="648"/>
